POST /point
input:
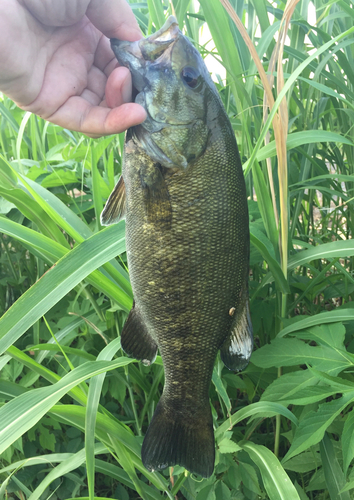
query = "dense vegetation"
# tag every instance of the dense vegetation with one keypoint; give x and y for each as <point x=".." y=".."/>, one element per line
<point x="284" y="427"/>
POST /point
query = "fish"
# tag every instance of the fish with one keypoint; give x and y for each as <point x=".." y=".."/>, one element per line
<point x="182" y="193"/>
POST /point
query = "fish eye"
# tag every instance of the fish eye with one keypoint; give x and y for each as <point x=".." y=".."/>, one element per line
<point x="190" y="76"/>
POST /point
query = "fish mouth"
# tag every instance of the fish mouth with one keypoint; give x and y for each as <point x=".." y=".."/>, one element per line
<point x="150" y="61"/>
<point x="136" y="55"/>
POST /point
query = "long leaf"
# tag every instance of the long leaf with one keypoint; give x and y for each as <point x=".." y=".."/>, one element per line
<point x="276" y="481"/>
<point x="59" y="280"/>
<point x="319" y="319"/>
<point x="291" y="352"/>
<point x="347" y="439"/>
<point x="297" y="139"/>
<point x="51" y="251"/>
<point x="263" y="245"/>
<point x="313" y="426"/>
<point x="260" y="408"/>
<point x="156" y="12"/>
<point x="67" y="465"/>
<point x="21" y="413"/>
<point x="334" y="476"/>
<point x="92" y="407"/>
<point x="342" y="248"/>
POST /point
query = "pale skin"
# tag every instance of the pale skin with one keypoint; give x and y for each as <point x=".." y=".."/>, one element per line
<point x="56" y="61"/>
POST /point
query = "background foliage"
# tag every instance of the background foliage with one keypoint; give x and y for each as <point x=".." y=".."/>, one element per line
<point x="284" y="427"/>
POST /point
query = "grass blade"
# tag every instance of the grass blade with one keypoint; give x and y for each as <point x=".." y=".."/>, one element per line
<point x="59" y="280"/>
<point x="21" y="413"/>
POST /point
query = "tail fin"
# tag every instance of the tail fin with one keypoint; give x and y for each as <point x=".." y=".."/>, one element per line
<point x="174" y="439"/>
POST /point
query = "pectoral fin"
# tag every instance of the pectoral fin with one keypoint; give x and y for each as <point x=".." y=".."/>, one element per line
<point x="237" y="348"/>
<point x="136" y="340"/>
<point x="156" y="197"/>
<point x="114" y="209"/>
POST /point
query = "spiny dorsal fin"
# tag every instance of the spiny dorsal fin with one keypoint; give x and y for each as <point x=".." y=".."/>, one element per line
<point x="114" y="209"/>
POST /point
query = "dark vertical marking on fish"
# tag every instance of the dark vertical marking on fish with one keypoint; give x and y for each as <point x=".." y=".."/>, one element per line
<point x="156" y="197"/>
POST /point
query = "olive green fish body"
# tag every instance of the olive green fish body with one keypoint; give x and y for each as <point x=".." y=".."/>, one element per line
<point x="187" y="244"/>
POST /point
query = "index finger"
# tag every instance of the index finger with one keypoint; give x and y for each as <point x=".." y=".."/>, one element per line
<point x="115" y="19"/>
<point x="80" y="115"/>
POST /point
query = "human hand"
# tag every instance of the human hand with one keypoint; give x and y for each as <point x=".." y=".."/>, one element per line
<point x="56" y="61"/>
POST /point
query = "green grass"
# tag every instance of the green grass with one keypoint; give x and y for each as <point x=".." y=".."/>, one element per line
<point x="284" y="427"/>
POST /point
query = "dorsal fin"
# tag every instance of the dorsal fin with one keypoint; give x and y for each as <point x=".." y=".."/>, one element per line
<point x="114" y="209"/>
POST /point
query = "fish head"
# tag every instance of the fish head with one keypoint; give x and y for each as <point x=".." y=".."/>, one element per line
<point x="172" y="83"/>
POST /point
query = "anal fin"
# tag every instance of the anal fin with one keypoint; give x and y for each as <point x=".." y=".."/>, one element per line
<point x="136" y="340"/>
<point x="237" y="348"/>
<point x="114" y="209"/>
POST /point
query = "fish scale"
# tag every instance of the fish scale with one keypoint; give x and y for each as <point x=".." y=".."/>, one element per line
<point x="187" y="242"/>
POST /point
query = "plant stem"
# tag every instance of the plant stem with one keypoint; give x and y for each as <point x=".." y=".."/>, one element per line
<point x="178" y="484"/>
<point x="131" y="397"/>
<point x="277" y="426"/>
<point x="9" y="258"/>
<point x="96" y="307"/>
<point x="277" y="418"/>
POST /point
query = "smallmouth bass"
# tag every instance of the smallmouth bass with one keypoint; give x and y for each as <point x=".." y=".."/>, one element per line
<point x="183" y="194"/>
